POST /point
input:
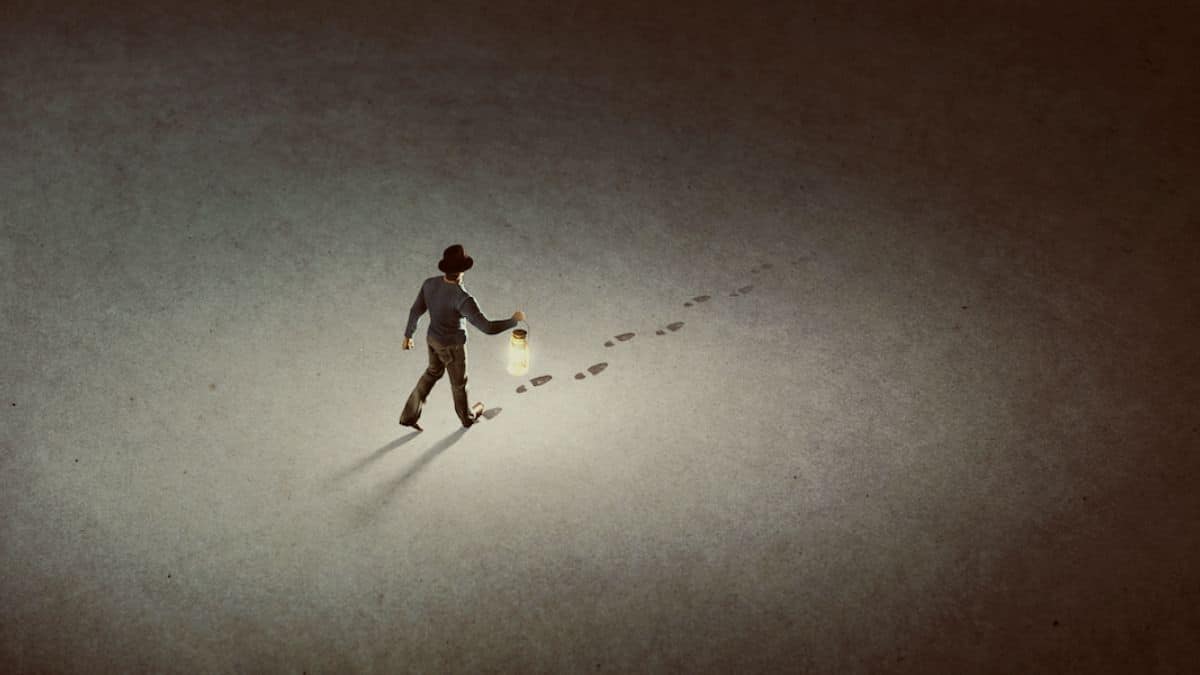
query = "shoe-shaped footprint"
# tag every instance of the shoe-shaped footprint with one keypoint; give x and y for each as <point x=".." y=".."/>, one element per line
<point x="593" y="369"/>
<point x="537" y="382"/>
<point x="623" y="337"/>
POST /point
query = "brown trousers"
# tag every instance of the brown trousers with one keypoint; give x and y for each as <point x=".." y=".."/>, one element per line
<point x="442" y="359"/>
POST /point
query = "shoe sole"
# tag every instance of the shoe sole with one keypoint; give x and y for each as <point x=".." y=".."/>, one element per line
<point x="477" y="411"/>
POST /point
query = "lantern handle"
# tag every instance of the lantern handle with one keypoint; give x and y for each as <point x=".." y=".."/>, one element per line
<point x="526" y="324"/>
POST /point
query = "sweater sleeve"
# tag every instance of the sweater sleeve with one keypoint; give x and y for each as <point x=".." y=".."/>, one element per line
<point x="470" y="309"/>
<point x="414" y="314"/>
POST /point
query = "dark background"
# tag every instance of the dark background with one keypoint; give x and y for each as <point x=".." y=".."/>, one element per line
<point x="949" y="422"/>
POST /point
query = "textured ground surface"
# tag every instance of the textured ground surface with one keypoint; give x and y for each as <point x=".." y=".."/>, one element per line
<point x="938" y="410"/>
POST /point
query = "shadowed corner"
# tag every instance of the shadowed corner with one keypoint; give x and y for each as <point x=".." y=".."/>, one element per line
<point x="362" y="463"/>
<point x="419" y="463"/>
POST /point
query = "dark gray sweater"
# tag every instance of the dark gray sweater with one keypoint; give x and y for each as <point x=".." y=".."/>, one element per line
<point x="448" y="304"/>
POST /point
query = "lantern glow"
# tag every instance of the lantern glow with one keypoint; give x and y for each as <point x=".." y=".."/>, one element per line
<point x="518" y="352"/>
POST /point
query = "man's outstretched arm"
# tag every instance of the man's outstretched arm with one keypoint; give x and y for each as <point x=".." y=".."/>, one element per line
<point x="470" y="309"/>
<point x="414" y="314"/>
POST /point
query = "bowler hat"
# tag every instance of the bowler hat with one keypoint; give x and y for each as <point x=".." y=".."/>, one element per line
<point x="455" y="260"/>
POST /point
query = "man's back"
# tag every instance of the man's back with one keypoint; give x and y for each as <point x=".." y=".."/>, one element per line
<point x="448" y="303"/>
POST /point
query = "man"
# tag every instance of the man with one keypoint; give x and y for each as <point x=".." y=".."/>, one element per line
<point x="448" y="303"/>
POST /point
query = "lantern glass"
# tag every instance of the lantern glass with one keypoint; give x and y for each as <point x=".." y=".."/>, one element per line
<point x="518" y="352"/>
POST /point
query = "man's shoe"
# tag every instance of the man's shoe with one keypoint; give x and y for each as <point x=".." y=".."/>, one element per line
<point x="413" y="425"/>
<point x="476" y="412"/>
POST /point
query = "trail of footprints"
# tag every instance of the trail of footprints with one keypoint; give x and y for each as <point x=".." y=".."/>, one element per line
<point x="598" y="368"/>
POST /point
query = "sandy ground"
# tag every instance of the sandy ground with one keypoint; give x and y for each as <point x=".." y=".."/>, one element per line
<point x="949" y="422"/>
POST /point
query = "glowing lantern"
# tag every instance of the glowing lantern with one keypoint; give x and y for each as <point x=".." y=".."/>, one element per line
<point x="518" y="352"/>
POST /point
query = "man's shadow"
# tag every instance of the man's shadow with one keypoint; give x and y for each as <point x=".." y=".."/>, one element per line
<point x="374" y="456"/>
<point x="392" y="486"/>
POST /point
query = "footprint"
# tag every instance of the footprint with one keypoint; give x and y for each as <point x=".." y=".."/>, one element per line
<point x="746" y="289"/>
<point x="674" y="326"/>
<point x="491" y="414"/>
<point x="766" y="266"/>
<point x="687" y="304"/>
<point x="733" y="294"/>
<point x="598" y="368"/>
<point x="609" y="343"/>
<point x="521" y="389"/>
<point x="625" y="337"/>
<point x="580" y="376"/>
<point x="540" y="380"/>
<point x="702" y="298"/>
<point x="660" y="332"/>
<point x="754" y="271"/>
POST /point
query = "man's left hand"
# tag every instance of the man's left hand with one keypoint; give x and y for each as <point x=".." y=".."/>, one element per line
<point x="408" y="343"/>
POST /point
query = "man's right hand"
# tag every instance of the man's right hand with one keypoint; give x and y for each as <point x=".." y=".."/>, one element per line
<point x="518" y="315"/>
